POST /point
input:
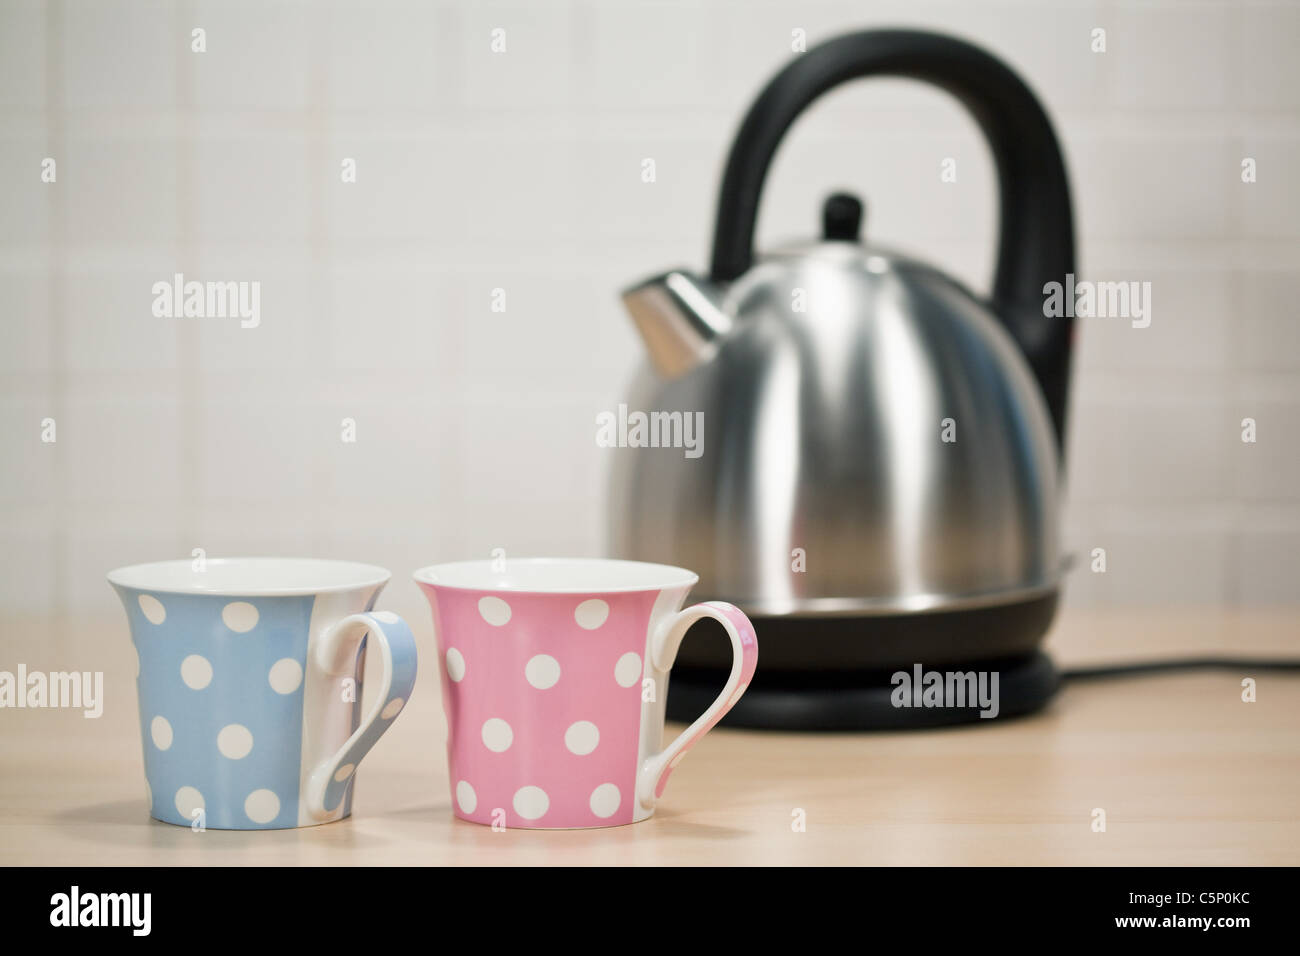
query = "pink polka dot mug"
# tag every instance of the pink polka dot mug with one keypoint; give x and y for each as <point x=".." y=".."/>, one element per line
<point x="554" y="679"/>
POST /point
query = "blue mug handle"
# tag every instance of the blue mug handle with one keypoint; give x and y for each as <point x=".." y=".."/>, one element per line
<point x="336" y="655"/>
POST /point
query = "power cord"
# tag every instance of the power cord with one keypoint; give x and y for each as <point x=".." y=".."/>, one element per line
<point x="1182" y="664"/>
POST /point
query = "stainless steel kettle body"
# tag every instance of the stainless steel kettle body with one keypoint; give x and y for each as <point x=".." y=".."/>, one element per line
<point x="878" y="473"/>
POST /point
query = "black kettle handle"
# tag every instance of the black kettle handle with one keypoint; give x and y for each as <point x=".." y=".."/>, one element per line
<point x="1036" y="242"/>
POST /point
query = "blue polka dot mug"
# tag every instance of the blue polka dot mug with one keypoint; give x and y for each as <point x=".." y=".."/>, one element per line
<point x="249" y="673"/>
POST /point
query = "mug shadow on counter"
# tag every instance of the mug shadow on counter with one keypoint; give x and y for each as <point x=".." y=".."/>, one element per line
<point x="665" y="824"/>
<point x="127" y="823"/>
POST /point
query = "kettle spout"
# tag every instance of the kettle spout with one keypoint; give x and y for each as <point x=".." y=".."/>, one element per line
<point x="679" y="318"/>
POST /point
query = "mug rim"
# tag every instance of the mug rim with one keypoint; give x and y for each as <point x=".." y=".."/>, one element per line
<point x="152" y="576"/>
<point x="669" y="576"/>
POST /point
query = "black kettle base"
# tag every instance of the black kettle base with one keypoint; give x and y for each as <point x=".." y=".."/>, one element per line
<point x="870" y="700"/>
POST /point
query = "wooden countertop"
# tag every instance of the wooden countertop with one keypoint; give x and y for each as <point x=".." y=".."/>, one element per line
<point x="1186" y="772"/>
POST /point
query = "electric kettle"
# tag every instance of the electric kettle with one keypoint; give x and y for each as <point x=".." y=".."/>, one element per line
<point x="880" y="477"/>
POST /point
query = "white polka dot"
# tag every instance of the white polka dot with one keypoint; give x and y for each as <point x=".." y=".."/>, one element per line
<point x="262" y="806"/>
<point x="628" y="669"/>
<point x="196" y="672"/>
<point x="542" y="671"/>
<point x="188" y="799"/>
<point x="285" y="675"/>
<point x="153" y="610"/>
<point x="386" y="617"/>
<point x="234" y="741"/>
<point x="497" y="735"/>
<point x="581" y="738"/>
<point x="344" y="772"/>
<point x="531" y="802"/>
<point x="161" y="732"/>
<point x="455" y="665"/>
<point x="392" y="708"/>
<point x="466" y="797"/>
<point x="591" y="614"/>
<point x="494" y="610"/>
<point x="605" y="800"/>
<point x="240" y="617"/>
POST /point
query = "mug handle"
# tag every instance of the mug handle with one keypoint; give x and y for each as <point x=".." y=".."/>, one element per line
<point x="336" y="655"/>
<point x="667" y="639"/>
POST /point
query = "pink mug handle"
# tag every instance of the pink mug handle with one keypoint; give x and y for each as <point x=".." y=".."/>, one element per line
<point x="664" y="643"/>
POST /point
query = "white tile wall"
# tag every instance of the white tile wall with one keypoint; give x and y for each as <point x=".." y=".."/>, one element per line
<point x="22" y="53"/>
<point x="386" y="58"/>
<point x="119" y="186"/>
<point x="25" y="294"/>
<point x="1163" y="61"/>
<point x="122" y="448"/>
<point x="109" y="324"/>
<point x="1271" y="212"/>
<point x="27" y="479"/>
<point x="24" y="209"/>
<point x="118" y="54"/>
<point x="1265" y="75"/>
<point x="1265" y="334"/>
<point x="258" y="55"/>
<point x="382" y="206"/>
<point x="522" y="171"/>
<point x="535" y="69"/>
<point x="252" y="188"/>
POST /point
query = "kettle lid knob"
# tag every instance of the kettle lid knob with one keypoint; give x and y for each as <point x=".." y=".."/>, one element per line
<point x="841" y="218"/>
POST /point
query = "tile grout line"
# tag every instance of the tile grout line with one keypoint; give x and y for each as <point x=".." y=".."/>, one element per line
<point x="186" y="252"/>
<point x="319" y="322"/>
<point x="56" y="134"/>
